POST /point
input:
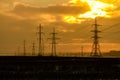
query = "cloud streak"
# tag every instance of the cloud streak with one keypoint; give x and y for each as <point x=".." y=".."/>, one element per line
<point x="24" y="10"/>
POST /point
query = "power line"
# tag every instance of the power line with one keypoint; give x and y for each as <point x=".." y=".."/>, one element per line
<point x="110" y="27"/>
<point x="112" y="34"/>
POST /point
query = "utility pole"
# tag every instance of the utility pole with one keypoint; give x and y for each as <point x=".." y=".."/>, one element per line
<point x="54" y="42"/>
<point x="82" y="52"/>
<point x="40" y="41"/>
<point x="96" y="47"/>
<point x="18" y="50"/>
<point x="33" y="49"/>
<point x="24" y="48"/>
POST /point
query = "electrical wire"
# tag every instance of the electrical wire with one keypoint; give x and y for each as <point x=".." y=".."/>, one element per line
<point x="110" y="27"/>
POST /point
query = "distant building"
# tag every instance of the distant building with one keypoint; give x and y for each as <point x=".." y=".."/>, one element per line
<point x="114" y="53"/>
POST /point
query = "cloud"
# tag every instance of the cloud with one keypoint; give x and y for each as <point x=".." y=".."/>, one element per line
<point x="24" y="10"/>
<point x="13" y="31"/>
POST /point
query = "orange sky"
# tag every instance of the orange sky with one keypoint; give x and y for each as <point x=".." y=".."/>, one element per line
<point x="73" y="20"/>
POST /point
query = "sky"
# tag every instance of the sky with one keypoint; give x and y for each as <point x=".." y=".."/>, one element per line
<point x="73" y="20"/>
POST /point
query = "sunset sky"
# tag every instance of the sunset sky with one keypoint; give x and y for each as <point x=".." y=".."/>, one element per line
<point x="73" y="20"/>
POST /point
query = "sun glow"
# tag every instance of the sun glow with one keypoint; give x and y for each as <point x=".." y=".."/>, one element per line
<point x="72" y="19"/>
<point x="97" y="9"/>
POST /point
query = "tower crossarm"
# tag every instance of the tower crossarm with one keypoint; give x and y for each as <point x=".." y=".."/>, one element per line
<point x="96" y="47"/>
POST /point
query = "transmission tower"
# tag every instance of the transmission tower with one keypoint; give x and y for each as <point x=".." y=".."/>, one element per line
<point x="96" y="47"/>
<point x="18" y="50"/>
<point x="53" y="53"/>
<point x="40" y="42"/>
<point x="33" y="49"/>
<point x="82" y="51"/>
<point x="24" y="47"/>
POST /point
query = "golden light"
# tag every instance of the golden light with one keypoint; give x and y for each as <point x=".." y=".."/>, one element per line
<point x="72" y="19"/>
<point x="97" y="9"/>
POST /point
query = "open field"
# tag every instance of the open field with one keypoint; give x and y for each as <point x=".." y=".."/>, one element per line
<point x="59" y="68"/>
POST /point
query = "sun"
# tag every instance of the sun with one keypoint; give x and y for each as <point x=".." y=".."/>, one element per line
<point x="97" y="9"/>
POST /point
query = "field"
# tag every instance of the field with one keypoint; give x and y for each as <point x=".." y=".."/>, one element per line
<point x="59" y="68"/>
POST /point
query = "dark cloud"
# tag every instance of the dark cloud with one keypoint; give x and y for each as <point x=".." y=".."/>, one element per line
<point x="25" y="10"/>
